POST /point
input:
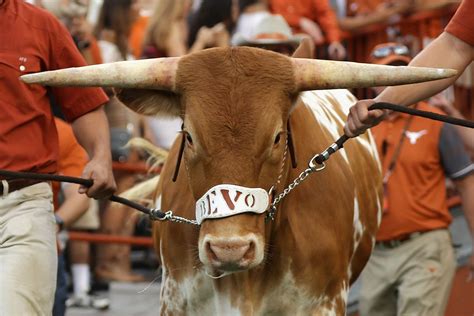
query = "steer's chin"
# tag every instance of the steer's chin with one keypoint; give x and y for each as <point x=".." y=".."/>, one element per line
<point x="216" y="269"/>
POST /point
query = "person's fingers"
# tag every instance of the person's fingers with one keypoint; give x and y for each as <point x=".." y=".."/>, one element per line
<point x="374" y="116"/>
<point x="103" y="181"/>
<point x="351" y="129"/>
<point x="86" y="174"/>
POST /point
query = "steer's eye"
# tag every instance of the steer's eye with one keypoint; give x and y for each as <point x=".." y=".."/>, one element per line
<point x="189" y="139"/>
<point x="277" y="139"/>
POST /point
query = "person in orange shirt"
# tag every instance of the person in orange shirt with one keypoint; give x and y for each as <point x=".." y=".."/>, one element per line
<point x="75" y="211"/>
<point x="356" y="14"/>
<point x="312" y="16"/>
<point x="412" y="265"/>
<point x="454" y="48"/>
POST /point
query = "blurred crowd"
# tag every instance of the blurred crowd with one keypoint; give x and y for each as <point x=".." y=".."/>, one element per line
<point x="116" y="30"/>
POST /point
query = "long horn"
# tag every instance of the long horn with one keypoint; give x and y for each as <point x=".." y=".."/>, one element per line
<point x="158" y="73"/>
<point x="313" y="74"/>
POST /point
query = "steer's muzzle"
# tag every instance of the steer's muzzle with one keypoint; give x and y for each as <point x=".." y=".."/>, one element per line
<point x="231" y="254"/>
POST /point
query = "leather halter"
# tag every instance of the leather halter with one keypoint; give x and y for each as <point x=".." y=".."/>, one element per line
<point x="291" y="149"/>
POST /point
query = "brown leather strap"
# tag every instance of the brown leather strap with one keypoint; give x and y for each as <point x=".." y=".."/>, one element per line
<point x="17" y="184"/>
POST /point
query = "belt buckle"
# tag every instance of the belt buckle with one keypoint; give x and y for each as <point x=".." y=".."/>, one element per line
<point x="5" y="187"/>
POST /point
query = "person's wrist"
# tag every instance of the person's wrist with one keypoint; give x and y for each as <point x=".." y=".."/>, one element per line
<point x="59" y="222"/>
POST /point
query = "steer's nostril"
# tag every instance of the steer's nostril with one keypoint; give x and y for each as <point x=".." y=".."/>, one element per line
<point x="227" y="251"/>
<point x="210" y="252"/>
<point x="250" y="254"/>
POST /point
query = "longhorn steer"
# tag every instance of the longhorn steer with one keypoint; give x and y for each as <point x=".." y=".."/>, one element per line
<point x="235" y="104"/>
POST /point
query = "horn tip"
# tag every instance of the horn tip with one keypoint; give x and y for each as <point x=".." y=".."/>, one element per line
<point x="447" y="72"/>
<point x="31" y="78"/>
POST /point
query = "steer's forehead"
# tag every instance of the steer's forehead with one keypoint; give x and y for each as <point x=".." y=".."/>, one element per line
<point x="234" y="68"/>
<point x="235" y="91"/>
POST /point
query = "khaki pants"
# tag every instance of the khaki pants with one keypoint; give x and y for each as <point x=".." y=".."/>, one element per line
<point x="28" y="256"/>
<point x="412" y="279"/>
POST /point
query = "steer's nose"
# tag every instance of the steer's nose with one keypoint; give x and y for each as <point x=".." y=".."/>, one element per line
<point x="230" y="254"/>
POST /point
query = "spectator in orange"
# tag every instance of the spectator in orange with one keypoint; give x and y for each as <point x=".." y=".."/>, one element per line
<point x="356" y="14"/>
<point x="33" y="40"/>
<point x="312" y="17"/>
<point x="76" y="211"/>
<point x="113" y="29"/>
<point x="137" y="34"/>
<point x="457" y="42"/>
<point x="412" y="266"/>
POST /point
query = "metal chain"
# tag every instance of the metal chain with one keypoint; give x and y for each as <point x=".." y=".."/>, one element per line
<point x="312" y="167"/>
<point x="170" y="217"/>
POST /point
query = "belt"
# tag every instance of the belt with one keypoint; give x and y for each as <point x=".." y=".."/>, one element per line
<point x="397" y="242"/>
<point x="8" y="186"/>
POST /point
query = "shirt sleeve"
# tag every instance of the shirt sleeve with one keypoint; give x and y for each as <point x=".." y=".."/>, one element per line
<point x="462" y="23"/>
<point x="454" y="157"/>
<point x="326" y="18"/>
<point x="74" y="102"/>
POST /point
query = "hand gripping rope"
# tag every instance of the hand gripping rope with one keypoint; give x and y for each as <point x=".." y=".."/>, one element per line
<point x="316" y="164"/>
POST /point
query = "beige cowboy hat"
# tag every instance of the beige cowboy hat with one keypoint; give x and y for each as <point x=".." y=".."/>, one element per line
<point x="272" y="29"/>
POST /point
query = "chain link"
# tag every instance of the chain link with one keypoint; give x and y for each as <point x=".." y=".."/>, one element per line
<point x="303" y="175"/>
<point x="170" y="217"/>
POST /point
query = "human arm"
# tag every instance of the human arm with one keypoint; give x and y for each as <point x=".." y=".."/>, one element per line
<point x="465" y="187"/>
<point x="92" y="132"/>
<point x="382" y="15"/>
<point x="460" y="56"/>
<point x="74" y="205"/>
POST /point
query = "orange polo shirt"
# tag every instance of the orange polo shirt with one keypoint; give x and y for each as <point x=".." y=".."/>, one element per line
<point x="72" y="157"/>
<point x="462" y="23"/>
<point x="33" y="40"/>
<point x="362" y="7"/>
<point x="416" y="192"/>
<point x="317" y="10"/>
<point x="137" y="34"/>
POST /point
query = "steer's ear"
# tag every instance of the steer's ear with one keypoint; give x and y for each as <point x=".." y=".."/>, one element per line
<point x="151" y="102"/>
<point x="305" y="49"/>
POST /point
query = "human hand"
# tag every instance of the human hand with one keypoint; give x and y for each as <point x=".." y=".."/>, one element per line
<point x="312" y="29"/>
<point x="100" y="171"/>
<point x="336" y="51"/>
<point x="360" y="118"/>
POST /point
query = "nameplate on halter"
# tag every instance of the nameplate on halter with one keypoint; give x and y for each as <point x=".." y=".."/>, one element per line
<point x="225" y="200"/>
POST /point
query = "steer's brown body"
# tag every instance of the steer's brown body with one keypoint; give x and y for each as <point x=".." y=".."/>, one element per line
<point x="316" y="246"/>
<point x="235" y="104"/>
